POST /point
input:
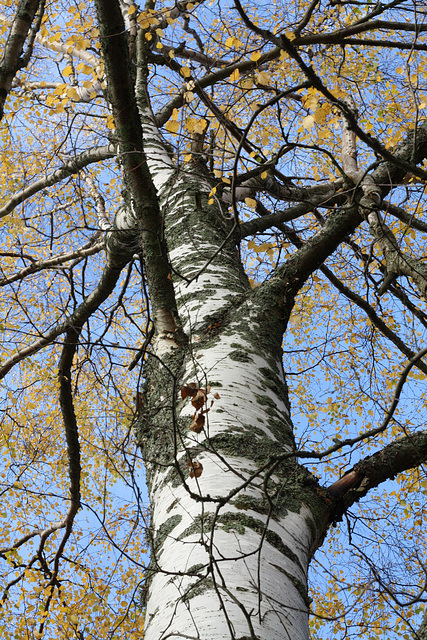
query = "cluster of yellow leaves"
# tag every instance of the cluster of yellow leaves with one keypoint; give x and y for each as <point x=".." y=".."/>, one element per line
<point x="99" y="582"/>
<point x="99" y="589"/>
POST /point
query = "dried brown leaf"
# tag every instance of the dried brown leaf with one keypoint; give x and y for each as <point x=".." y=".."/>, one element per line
<point x="198" y="423"/>
<point x="188" y="390"/>
<point x="199" y="399"/>
<point x="196" y="468"/>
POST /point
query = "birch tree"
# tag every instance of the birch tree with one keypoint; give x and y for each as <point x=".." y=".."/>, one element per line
<point x="213" y="260"/>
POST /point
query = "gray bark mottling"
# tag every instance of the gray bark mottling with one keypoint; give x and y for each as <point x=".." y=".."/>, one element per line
<point x="246" y="507"/>
<point x="421" y="633"/>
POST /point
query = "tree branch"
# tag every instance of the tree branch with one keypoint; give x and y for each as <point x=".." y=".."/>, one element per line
<point x="373" y="317"/>
<point x="404" y="216"/>
<point x="402" y="454"/>
<point x="339" y="35"/>
<point x="73" y="451"/>
<point x="104" y="288"/>
<point x="143" y="205"/>
<point x="74" y="165"/>
<point x="12" y="60"/>
<point x="95" y="245"/>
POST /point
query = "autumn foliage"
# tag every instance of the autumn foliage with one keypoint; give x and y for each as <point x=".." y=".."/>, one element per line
<point x="263" y="97"/>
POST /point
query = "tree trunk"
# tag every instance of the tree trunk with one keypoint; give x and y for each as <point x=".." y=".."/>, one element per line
<point x="231" y="546"/>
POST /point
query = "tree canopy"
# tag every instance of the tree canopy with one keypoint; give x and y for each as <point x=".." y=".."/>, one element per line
<point x="304" y="125"/>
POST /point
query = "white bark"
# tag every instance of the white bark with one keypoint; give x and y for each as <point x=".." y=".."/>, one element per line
<point x="225" y="566"/>
<point x="253" y="580"/>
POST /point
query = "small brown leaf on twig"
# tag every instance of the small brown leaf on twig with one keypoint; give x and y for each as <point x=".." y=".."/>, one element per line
<point x="198" y="423"/>
<point x="196" y="468"/>
<point x="189" y="390"/>
<point x="199" y="399"/>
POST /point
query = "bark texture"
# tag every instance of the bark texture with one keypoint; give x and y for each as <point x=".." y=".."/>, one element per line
<point x="231" y="546"/>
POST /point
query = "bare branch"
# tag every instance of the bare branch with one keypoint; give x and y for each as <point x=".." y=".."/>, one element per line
<point x="404" y="216"/>
<point x="372" y="25"/>
<point x="60" y="47"/>
<point x="73" y="450"/>
<point x="336" y="488"/>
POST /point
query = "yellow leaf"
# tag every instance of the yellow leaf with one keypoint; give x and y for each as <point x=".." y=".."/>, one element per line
<point x="247" y="83"/>
<point x="200" y="125"/>
<point x="235" y="75"/>
<point x="321" y="113"/>
<point x="310" y="101"/>
<point x="255" y="56"/>
<point x="262" y="77"/>
<point x="324" y="134"/>
<point x="190" y="122"/>
<point x="263" y="175"/>
<point x="232" y="41"/>
<point x="263" y="247"/>
<point x="308" y="122"/>
<point x="131" y="9"/>
<point x="250" y="202"/>
<point x="72" y="93"/>
<point x="172" y="126"/>
<point x="67" y="71"/>
<point x="185" y="72"/>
